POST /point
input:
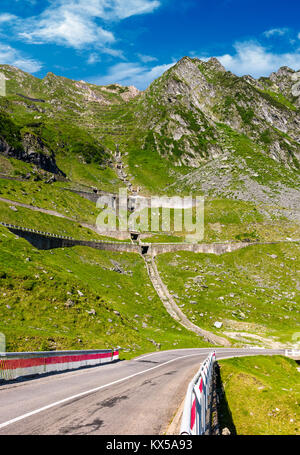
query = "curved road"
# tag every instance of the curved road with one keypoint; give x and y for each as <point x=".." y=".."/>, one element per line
<point x="133" y="397"/>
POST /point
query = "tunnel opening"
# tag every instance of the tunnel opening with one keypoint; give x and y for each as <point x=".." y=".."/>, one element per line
<point x="145" y="249"/>
<point x="134" y="235"/>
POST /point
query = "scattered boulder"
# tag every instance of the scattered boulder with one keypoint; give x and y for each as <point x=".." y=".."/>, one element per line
<point x="218" y="324"/>
<point x="92" y="312"/>
<point x="69" y="303"/>
<point x="51" y="180"/>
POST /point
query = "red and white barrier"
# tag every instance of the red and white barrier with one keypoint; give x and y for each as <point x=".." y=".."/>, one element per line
<point x="19" y="364"/>
<point x="194" y="421"/>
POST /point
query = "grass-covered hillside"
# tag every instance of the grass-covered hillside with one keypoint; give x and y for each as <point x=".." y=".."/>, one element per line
<point x="77" y="123"/>
<point x="55" y="197"/>
<point x="196" y="130"/>
<point x="76" y="298"/>
<point x="224" y="219"/>
<point x="262" y="396"/>
<point x="253" y="292"/>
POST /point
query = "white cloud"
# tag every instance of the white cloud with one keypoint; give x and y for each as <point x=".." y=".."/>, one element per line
<point x="108" y="9"/>
<point x="113" y="52"/>
<point x="254" y="59"/>
<point x="131" y="74"/>
<point x="6" y="17"/>
<point x="123" y="9"/>
<point x="147" y="58"/>
<point x="93" y="58"/>
<point x="11" y="56"/>
<point x="276" y="32"/>
<point x="65" y="27"/>
<point x="74" y="23"/>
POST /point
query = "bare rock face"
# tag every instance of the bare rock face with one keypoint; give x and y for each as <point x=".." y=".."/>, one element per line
<point x="90" y="95"/>
<point x="33" y="151"/>
<point x="287" y="82"/>
<point x="37" y="153"/>
<point x="130" y="93"/>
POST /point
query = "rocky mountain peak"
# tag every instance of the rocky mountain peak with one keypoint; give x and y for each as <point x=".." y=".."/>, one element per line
<point x="50" y="75"/>
<point x="214" y="63"/>
<point x="284" y="71"/>
<point x="197" y="96"/>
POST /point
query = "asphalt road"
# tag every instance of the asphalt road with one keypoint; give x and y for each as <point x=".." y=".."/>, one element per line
<point x="136" y="397"/>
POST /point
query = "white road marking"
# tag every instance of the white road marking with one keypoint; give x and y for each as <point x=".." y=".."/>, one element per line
<point x="201" y="351"/>
<point x="44" y="408"/>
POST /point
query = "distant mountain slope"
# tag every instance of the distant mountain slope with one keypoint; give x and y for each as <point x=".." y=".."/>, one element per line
<point x="185" y="107"/>
<point x="196" y="128"/>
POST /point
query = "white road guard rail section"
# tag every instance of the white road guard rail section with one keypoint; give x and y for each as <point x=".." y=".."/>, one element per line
<point x="19" y="364"/>
<point x="194" y="421"/>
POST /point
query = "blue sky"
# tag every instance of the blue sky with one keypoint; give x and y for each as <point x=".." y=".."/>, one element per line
<point x="132" y="42"/>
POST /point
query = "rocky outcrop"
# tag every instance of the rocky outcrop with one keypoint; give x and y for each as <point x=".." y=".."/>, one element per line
<point x="287" y="82"/>
<point x="130" y="93"/>
<point x="33" y="151"/>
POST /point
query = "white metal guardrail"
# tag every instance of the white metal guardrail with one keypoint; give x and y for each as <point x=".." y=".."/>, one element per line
<point x="14" y="365"/>
<point x="194" y="418"/>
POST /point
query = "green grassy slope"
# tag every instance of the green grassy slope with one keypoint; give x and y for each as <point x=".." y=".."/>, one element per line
<point x="236" y="220"/>
<point x="252" y="291"/>
<point x="41" y="308"/>
<point x="263" y="395"/>
<point x="224" y="219"/>
<point x="50" y="197"/>
<point x="25" y="217"/>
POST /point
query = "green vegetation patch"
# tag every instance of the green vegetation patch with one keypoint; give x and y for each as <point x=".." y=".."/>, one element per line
<point x="81" y="298"/>
<point x="252" y="291"/>
<point x="50" y="197"/>
<point x="262" y="394"/>
<point x="30" y="219"/>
